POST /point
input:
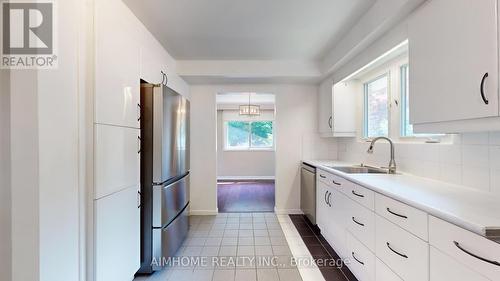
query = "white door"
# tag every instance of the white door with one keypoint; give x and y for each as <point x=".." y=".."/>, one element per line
<point x="453" y="50"/>
<point x="117" y="65"/>
<point x="337" y="222"/>
<point x="321" y="207"/>
<point x="344" y="108"/>
<point x="117" y="159"/>
<point x="117" y="236"/>
<point x="325" y="107"/>
<point x="443" y="267"/>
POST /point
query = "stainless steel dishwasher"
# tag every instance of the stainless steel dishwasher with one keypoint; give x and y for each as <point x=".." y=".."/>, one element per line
<point x="308" y="191"/>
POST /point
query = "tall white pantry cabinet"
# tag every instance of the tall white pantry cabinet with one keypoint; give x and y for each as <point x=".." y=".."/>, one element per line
<point x="116" y="217"/>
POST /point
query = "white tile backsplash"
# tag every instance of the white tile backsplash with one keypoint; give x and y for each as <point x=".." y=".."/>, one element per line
<point x="475" y="138"/>
<point x="472" y="160"/>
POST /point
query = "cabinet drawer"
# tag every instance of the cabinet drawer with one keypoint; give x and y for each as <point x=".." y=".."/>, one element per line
<point x="444" y="267"/>
<point x="466" y="247"/>
<point x="405" y="254"/>
<point x="384" y="273"/>
<point x="117" y="161"/>
<point x="333" y="180"/>
<point x="362" y="260"/>
<point x="361" y="223"/>
<point x="324" y="176"/>
<point x="361" y="195"/>
<point x="409" y="218"/>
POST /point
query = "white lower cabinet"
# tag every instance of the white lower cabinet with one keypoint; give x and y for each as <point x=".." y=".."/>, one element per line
<point x="117" y="236"/>
<point x="362" y="260"/>
<point x="467" y="248"/>
<point x="444" y="267"/>
<point x="404" y="253"/>
<point x="337" y="234"/>
<point x="398" y="242"/>
<point x="322" y="207"/>
<point x="384" y="273"/>
<point x="361" y="223"/>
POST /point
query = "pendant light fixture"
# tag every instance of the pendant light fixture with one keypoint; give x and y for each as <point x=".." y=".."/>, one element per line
<point x="250" y="109"/>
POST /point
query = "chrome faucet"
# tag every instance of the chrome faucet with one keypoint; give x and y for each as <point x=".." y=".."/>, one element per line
<point x="392" y="163"/>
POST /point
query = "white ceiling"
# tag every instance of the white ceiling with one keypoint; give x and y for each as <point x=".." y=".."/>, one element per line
<point x="249" y="30"/>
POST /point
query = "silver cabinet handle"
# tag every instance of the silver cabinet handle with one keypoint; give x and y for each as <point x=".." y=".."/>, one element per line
<point x="322" y="176"/>
<point x="336" y="183"/>
<point x="329" y="198"/>
<point x="138" y="112"/>
<point x="474" y="255"/>
<point x="326" y="194"/>
<point x="330" y="123"/>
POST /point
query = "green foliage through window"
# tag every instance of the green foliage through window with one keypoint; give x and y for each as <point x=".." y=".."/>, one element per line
<point x="249" y="135"/>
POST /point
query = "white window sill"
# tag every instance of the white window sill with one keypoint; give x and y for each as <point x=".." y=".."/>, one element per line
<point x="249" y="150"/>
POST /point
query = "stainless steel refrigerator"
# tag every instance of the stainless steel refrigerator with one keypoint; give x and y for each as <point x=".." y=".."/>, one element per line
<point x="164" y="174"/>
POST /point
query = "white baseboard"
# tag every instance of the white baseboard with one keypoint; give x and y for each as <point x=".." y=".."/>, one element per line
<point x="245" y="178"/>
<point x="203" y="212"/>
<point x="288" y="211"/>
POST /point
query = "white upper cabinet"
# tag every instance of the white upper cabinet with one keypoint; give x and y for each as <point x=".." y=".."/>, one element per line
<point x="337" y="110"/>
<point x="117" y="66"/>
<point x="453" y="61"/>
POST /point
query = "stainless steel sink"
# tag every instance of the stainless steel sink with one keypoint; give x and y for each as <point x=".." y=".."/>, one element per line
<point x="359" y="170"/>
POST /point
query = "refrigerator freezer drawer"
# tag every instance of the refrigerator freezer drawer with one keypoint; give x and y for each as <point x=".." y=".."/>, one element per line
<point x="169" y="200"/>
<point x="168" y="240"/>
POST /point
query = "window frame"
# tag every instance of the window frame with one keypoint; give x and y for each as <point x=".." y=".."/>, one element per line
<point x="386" y="74"/>
<point x="403" y="105"/>
<point x="250" y="148"/>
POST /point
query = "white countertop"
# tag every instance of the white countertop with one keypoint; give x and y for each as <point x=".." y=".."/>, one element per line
<point x="474" y="210"/>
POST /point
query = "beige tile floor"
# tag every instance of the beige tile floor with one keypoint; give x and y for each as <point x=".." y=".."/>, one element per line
<point x="237" y="247"/>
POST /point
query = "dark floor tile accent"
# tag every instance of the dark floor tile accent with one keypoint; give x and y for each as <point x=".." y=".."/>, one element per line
<point x="332" y="274"/>
<point x="245" y="196"/>
<point x="317" y="250"/>
<point x="313" y="241"/>
<point x="322" y="252"/>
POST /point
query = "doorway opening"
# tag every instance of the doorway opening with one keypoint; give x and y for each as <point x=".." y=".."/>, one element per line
<point x="245" y="152"/>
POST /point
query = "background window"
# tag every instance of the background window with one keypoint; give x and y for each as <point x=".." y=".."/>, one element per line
<point x="376" y="109"/>
<point x="237" y="135"/>
<point x="247" y="135"/>
<point x="262" y="134"/>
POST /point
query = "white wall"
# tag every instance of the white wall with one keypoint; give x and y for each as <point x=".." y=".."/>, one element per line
<point x="5" y="202"/>
<point x="296" y="139"/>
<point x="234" y="164"/>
